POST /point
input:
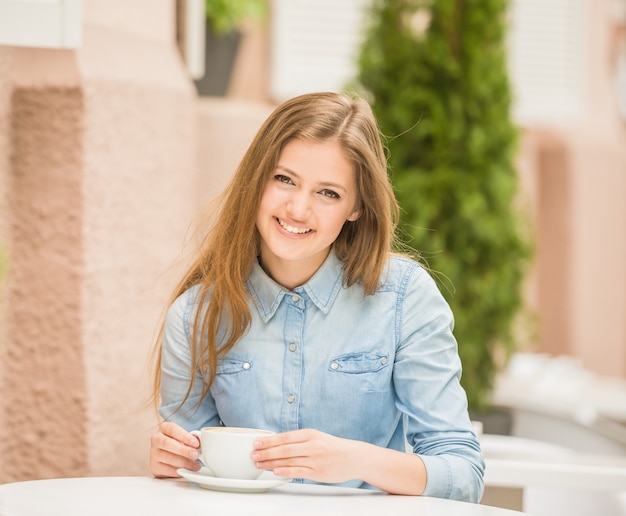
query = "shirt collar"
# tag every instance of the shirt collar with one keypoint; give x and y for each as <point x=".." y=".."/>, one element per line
<point x="322" y="288"/>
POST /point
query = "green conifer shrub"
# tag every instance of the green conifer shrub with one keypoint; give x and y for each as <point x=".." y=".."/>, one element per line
<point x="436" y="74"/>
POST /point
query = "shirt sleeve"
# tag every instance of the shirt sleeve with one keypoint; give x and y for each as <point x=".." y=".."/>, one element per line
<point x="427" y="374"/>
<point x="195" y="412"/>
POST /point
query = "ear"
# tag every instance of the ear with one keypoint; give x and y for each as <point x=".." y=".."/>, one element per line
<point x="355" y="215"/>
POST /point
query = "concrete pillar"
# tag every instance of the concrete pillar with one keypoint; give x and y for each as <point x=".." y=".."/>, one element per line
<point x="98" y="185"/>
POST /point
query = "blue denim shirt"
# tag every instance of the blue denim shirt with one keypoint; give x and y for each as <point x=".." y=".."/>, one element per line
<point x="382" y="368"/>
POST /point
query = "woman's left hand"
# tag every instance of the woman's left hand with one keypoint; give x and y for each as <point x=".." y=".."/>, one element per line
<point x="309" y="454"/>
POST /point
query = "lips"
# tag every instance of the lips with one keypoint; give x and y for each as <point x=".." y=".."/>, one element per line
<point x="292" y="229"/>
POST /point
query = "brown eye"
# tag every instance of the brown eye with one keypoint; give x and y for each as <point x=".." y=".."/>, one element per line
<point x="283" y="179"/>
<point x="331" y="194"/>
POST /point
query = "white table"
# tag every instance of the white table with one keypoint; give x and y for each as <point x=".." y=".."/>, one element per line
<point x="138" y="496"/>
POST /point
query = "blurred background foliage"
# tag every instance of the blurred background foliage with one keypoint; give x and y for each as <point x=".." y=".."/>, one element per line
<point x="435" y="72"/>
<point x="225" y="16"/>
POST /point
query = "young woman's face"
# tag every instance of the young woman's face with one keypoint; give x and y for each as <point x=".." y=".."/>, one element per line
<point x="307" y="200"/>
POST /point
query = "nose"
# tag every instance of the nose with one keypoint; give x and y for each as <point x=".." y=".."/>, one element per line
<point x="299" y="205"/>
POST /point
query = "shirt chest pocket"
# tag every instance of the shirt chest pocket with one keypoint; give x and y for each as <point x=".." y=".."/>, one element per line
<point x="364" y="372"/>
<point x="229" y="373"/>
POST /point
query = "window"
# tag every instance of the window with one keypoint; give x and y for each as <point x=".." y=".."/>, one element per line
<point x="41" y="23"/>
<point x="547" y="53"/>
<point x="314" y="45"/>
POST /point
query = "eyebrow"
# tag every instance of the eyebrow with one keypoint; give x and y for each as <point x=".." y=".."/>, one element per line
<point x="325" y="185"/>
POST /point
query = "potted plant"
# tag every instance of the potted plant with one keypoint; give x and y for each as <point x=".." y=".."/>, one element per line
<point x="436" y="74"/>
<point x="223" y="35"/>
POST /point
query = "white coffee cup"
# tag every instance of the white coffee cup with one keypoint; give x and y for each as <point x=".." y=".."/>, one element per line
<point x="226" y="450"/>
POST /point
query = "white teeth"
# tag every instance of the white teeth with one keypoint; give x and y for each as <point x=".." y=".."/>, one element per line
<point x="291" y="229"/>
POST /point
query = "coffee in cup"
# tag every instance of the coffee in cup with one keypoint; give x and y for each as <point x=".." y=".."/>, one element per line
<point x="226" y="450"/>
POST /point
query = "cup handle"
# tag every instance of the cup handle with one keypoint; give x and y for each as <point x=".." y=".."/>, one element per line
<point x="197" y="434"/>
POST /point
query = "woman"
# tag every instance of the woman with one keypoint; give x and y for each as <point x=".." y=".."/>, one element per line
<point x="297" y="317"/>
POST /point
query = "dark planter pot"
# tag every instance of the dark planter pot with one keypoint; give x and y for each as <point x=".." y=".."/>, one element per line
<point x="220" y="55"/>
<point x="496" y="420"/>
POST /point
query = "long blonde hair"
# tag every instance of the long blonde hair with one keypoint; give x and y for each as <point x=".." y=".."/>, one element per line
<point x="226" y="254"/>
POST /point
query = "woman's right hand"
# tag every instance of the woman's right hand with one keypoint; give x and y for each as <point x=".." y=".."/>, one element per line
<point x="172" y="447"/>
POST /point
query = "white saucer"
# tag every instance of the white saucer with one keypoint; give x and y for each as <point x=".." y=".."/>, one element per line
<point x="206" y="479"/>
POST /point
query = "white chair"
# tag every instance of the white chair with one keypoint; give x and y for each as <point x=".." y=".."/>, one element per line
<point x="544" y="479"/>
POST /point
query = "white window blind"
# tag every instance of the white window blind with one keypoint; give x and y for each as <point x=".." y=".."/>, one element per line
<point x="547" y="53"/>
<point x="41" y="23"/>
<point x="316" y="42"/>
<point x="315" y="45"/>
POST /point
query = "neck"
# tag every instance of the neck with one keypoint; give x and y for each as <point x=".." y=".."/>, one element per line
<point x="290" y="273"/>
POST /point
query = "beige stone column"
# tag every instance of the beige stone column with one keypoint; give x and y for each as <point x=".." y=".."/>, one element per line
<point x="43" y="362"/>
<point x="98" y="186"/>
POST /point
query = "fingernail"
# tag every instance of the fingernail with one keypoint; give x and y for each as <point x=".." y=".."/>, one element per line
<point x="193" y="454"/>
<point x="256" y="456"/>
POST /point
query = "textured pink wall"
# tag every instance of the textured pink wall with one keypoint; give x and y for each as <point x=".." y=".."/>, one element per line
<point x="553" y="243"/>
<point x="598" y="295"/>
<point x="139" y="186"/>
<point x="225" y="129"/>
<point x="98" y="192"/>
<point x="45" y="378"/>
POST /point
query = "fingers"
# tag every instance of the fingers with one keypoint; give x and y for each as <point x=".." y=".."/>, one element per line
<point x="178" y="433"/>
<point x="279" y="457"/>
<point x="288" y="465"/>
<point x="285" y="438"/>
<point x="171" y="448"/>
<point x="166" y="465"/>
<point x="288" y="449"/>
<point x="306" y="454"/>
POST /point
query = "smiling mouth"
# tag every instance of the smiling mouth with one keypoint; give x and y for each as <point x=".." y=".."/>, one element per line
<point x="291" y="229"/>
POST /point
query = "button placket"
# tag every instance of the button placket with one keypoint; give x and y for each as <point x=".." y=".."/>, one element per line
<point x="293" y="366"/>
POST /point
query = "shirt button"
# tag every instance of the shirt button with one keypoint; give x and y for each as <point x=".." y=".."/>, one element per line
<point x="292" y="347"/>
<point x="334" y="366"/>
<point x="383" y="361"/>
<point x="291" y="398"/>
<point x="246" y="365"/>
<point x="295" y="298"/>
